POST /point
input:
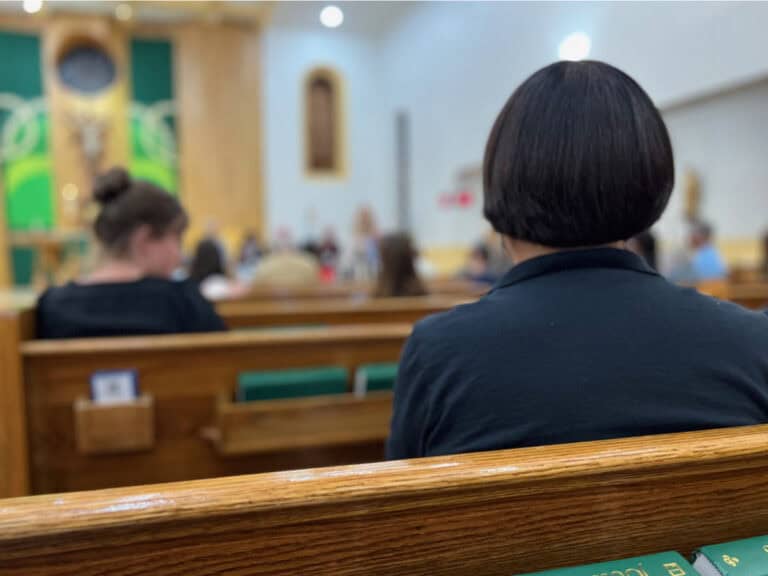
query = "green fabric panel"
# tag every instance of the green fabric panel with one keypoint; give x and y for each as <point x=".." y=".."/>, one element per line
<point x="152" y="84"/>
<point x="23" y="265"/>
<point x="26" y="169"/>
<point x="20" y="67"/>
<point x="378" y="376"/>
<point x="277" y="384"/>
<point x="151" y="70"/>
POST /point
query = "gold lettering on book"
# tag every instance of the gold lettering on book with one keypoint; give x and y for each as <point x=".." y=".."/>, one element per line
<point x="730" y="560"/>
<point x="674" y="569"/>
<point x="629" y="572"/>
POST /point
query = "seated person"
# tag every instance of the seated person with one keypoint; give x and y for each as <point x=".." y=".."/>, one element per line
<point x="208" y="272"/>
<point x="397" y="272"/>
<point x="707" y="264"/>
<point x="286" y="266"/>
<point x="139" y="228"/>
<point x="581" y="340"/>
<point x="478" y="268"/>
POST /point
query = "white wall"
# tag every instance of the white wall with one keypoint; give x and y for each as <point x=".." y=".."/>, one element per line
<point x="724" y="139"/>
<point x="294" y="200"/>
<point x="452" y="65"/>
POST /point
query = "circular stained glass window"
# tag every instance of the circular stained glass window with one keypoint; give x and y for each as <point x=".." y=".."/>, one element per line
<point x="86" y="69"/>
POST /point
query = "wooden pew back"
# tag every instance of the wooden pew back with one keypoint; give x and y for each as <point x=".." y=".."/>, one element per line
<point x="494" y="513"/>
<point x="248" y="314"/>
<point x="187" y="376"/>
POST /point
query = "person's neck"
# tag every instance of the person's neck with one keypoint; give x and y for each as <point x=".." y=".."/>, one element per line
<point x="520" y="250"/>
<point x="115" y="270"/>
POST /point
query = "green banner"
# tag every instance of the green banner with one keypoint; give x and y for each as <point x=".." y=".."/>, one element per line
<point x="154" y="154"/>
<point x="25" y="157"/>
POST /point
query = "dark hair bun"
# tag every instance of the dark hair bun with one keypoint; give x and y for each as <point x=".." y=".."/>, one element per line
<point x="111" y="185"/>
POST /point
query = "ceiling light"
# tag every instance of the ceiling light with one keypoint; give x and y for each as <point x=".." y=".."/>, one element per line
<point x="123" y="12"/>
<point x="575" y="46"/>
<point x="331" y="16"/>
<point x="32" y="6"/>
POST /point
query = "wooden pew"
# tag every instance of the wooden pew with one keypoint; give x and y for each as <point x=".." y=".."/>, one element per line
<point x="493" y="513"/>
<point x="191" y="379"/>
<point x="752" y="295"/>
<point x="346" y="290"/>
<point x="249" y="314"/>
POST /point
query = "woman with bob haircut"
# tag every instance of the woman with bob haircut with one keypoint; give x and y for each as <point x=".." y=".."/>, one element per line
<point x="581" y="339"/>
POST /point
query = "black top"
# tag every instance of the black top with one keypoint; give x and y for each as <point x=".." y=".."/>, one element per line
<point x="148" y="306"/>
<point x="575" y="346"/>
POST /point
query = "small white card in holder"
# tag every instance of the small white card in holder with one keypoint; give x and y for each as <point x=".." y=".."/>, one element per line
<point x="114" y="387"/>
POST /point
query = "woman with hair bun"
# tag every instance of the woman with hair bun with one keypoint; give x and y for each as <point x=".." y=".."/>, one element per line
<point x="139" y="229"/>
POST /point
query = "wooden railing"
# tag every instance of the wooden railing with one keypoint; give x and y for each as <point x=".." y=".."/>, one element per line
<point x="494" y="513"/>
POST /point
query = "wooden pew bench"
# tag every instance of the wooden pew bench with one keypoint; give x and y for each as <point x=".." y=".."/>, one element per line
<point x="250" y="314"/>
<point x="493" y="513"/>
<point x="188" y="382"/>
<point x="346" y="290"/>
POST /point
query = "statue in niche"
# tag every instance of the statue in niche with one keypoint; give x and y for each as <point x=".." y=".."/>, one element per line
<point x="322" y="124"/>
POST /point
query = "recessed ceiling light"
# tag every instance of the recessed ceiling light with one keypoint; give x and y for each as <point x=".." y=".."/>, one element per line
<point x="331" y="16"/>
<point x="124" y="12"/>
<point x="32" y="6"/>
<point x="575" y="46"/>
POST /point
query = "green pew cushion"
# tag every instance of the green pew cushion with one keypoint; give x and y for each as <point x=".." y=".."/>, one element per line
<point x="373" y="377"/>
<point x="278" y="384"/>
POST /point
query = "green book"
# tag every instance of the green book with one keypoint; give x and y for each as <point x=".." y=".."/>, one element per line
<point x="280" y="384"/>
<point x="373" y="377"/>
<point x="739" y="558"/>
<point x="662" y="564"/>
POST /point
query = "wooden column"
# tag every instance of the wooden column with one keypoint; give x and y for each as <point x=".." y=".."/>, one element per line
<point x="14" y="465"/>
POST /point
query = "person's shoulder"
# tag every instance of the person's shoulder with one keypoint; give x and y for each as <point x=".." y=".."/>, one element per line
<point x="56" y="295"/>
<point x="459" y="322"/>
<point x="720" y="314"/>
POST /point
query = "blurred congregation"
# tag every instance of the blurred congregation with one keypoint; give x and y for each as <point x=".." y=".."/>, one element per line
<point x="383" y="287"/>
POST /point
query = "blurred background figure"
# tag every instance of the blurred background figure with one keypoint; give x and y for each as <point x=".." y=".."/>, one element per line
<point x="397" y="271"/>
<point x="328" y="253"/>
<point x="363" y="258"/>
<point x="286" y="265"/>
<point x="251" y="253"/>
<point x="207" y="270"/>
<point x="477" y="268"/>
<point x="706" y="261"/>
<point x="644" y="245"/>
<point x="700" y="260"/>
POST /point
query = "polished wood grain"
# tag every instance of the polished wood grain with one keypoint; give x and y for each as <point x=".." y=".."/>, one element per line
<point x="493" y="513"/>
<point x="323" y="421"/>
<point x="362" y="290"/>
<point x="185" y="375"/>
<point x="239" y="314"/>
<point x="219" y="88"/>
<point x="14" y="478"/>
<point x="752" y="295"/>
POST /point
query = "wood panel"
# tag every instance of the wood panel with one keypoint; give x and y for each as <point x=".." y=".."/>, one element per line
<point x="185" y="375"/>
<point x="436" y="287"/>
<point x="493" y="513"/>
<point x="374" y="311"/>
<point x="260" y="427"/>
<point x="14" y="478"/>
<point x="219" y="95"/>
